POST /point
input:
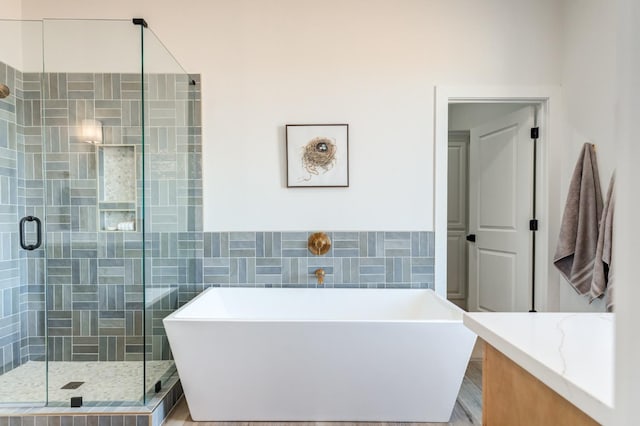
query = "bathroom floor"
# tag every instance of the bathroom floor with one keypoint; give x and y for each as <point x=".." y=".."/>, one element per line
<point x="467" y="411"/>
<point x="116" y="381"/>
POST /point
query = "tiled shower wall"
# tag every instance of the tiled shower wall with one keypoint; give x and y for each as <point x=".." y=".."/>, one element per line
<point x="95" y="294"/>
<point x="10" y="338"/>
<point x="94" y="278"/>
<point x="21" y="316"/>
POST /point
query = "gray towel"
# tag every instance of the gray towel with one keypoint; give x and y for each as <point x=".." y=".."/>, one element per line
<point x="602" y="271"/>
<point x="576" y="250"/>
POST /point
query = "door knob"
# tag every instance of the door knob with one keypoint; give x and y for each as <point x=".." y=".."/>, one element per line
<point x="471" y="238"/>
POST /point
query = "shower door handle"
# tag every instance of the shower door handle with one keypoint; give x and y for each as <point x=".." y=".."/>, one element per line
<point x="38" y="233"/>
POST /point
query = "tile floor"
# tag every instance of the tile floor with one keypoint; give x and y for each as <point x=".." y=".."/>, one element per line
<point x="114" y="381"/>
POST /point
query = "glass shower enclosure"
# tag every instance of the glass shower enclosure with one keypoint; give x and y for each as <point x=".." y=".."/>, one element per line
<point x="99" y="191"/>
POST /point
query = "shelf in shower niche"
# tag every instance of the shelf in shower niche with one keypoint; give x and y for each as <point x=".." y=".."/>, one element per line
<point x="118" y="220"/>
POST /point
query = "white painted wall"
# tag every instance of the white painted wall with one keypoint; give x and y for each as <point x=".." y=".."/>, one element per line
<point x="11" y="9"/>
<point x="11" y="43"/>
<point x="74" y="45"/>
<point x="21" y="44"/>
<point x="627" y="233"/>
<point x="11" y="29"/>
<point x="91" y="46"/>
<point x="370" y="63"/>
<point x="589" y="81"/>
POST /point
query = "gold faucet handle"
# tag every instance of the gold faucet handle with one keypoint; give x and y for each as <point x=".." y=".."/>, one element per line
<point x="319" y="243"/>
<point x="320" y="275"/>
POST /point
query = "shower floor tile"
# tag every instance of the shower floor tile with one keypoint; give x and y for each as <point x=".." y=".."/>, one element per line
<point x="116" y="381"/>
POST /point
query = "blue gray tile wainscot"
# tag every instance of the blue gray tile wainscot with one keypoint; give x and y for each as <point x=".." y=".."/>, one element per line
<point x="189" y="262"/>
<point x="375" y="259"/>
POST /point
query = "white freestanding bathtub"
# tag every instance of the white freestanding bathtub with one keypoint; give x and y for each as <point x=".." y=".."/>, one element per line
<point x="251" y="354"/>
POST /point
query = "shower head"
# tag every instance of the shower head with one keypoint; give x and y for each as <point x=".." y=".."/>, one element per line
<point x="4" y="91"/>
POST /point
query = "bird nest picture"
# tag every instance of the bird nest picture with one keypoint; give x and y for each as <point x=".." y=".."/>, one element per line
<point x="317" y="155"/>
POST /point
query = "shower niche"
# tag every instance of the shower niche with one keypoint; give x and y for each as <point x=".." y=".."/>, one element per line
<point x="117" y="187"/>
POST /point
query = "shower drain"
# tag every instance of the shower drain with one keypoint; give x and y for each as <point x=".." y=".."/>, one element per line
<point x="72" y="385"/>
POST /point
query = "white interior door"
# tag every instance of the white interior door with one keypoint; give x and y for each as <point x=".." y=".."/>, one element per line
<point x="457" y="218"/>
<point x="500" y="207"/>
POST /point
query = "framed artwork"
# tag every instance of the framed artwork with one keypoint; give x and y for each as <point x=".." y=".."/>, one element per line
<point x="317" y="155"/>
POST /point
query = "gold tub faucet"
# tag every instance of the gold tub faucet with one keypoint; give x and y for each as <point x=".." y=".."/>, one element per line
<point x="320" y="275"/>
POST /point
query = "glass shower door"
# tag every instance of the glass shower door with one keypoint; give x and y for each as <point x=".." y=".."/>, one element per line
<point x="92" y="168"/>
<point x="172" y="198"/>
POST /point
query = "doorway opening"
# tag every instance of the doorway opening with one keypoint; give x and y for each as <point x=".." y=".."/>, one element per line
<point x="545" y="100"/>
<point x="490" y="201"/>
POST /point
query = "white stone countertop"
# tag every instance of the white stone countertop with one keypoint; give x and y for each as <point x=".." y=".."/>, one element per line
<point x="572" y="353"/>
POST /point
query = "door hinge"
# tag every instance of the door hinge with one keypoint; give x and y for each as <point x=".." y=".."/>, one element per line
<point x="533" y="225"/>
<point x="535" y="132"/>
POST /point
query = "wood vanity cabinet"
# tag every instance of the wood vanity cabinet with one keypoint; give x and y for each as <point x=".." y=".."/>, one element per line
<point x="513" y="397"/>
